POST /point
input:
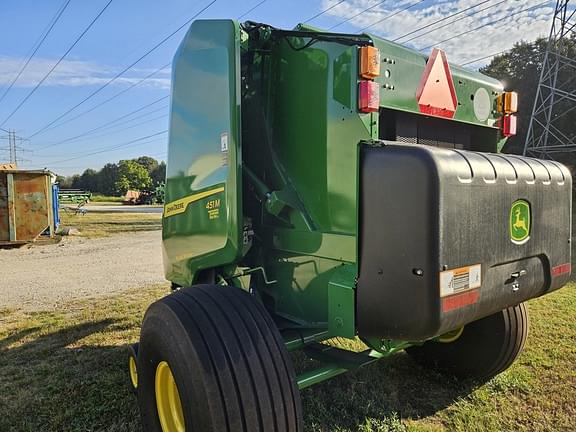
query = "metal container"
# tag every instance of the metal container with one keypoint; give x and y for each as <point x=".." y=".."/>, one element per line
<point x="26" y="206"/>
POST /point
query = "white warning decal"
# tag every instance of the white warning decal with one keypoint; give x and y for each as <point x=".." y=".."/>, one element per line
<point x="459" y="280"/>
<point x="224" y="147"/>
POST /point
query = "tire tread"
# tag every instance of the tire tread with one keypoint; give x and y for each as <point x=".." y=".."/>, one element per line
<point x="247" y="374"/>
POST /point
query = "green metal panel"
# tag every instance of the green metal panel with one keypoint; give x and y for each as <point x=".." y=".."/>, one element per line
<point x="308" y="120"/>
<point x="341" y="299"/>
<point x="202" y="223"/>
<point x="401" y="72"/>
<point x="316" y="129"/>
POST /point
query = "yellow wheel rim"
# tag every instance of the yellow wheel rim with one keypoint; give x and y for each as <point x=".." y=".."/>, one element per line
<point x="451" y="336"/>
<point x="168" y="400"/>
<point x="133" y="371"/>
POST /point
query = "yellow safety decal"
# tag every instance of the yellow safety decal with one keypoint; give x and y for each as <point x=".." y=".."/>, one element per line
<point x="179" y="206"/>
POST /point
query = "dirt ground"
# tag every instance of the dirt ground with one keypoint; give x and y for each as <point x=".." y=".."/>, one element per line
<point x="44" y="277"/>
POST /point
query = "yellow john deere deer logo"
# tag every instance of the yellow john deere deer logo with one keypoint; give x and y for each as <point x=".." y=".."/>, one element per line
<point x="520" y="221"/>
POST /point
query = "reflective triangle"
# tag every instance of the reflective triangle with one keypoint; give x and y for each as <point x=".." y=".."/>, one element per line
<point x="436" y="94"/>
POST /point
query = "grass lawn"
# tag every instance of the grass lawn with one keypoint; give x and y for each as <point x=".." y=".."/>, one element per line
<point x="102" y="224"/>
<point x="106" y="199"/>
<point x="66" y="371"/>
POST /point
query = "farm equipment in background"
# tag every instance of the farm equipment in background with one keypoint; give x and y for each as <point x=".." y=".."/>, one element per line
<point x="77" y="197"/>
<point x="145" y="197"/>
<point x="326" y="185"/>
<point x="74" y="196"/>
<point x="131" y="197"/>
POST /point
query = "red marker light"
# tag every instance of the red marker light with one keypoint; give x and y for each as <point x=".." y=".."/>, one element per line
<point x="368" y="96"/>
<point x="509" y="125"/>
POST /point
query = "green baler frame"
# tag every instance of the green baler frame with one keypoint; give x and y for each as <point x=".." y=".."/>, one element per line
<point x="231" y="182"/>
<point x="213" y="58"/>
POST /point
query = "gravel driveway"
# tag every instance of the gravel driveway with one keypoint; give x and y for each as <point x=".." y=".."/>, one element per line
<point x="123" y="209"/>
<point x="43" y="277"/>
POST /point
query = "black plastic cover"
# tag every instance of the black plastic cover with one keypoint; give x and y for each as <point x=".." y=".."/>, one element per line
<point x="436" y="247"/>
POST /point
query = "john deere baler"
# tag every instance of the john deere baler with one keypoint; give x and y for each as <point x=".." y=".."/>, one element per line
<point x="327" y="185"/>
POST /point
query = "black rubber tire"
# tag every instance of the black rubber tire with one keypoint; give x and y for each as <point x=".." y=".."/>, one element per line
<point x="228" y="359"/>
<point x="484" y="349"/>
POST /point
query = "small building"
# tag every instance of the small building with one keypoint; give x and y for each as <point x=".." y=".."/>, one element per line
<point x="28" y="205"/>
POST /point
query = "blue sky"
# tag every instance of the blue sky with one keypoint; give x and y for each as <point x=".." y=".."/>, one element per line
<point x="128" y="28"/>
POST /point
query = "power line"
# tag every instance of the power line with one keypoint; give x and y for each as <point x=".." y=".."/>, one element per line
<point x="83" y="113"/>
<point x="107" y="124"/>
<point x="114" y="127"/>
<point x="394" y="14"/>
<point x="37" y="45"/>
<point x="115" y="147"/>
<point x="484" y="57"/>
<point x="118" y="75"/>
<point x="324" y="11"/>
<point x="454" y="21"/>
<point x="161" y="154"/>
<point x="358" y="14"/>
<point x="485" y="25"/>
<point x="82" y="153"/>
<point x="439" y="21"/>
<point x="251" y="9"/>
<point x="148" y="121"/>
<point x="119" y="130"/>
<point x="57" y="63"/>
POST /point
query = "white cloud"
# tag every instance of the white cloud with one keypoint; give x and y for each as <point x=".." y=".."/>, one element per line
<point x="73" y="73"/>
<point x="499" y="33"/>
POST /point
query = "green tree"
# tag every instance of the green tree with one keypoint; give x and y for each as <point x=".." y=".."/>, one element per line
<point x="158" y="174"/>
<point x="75" y="181"/>
<point x="147" y="162"/>
<point x="65" y="182"/>
<point x="160" y="193"/>
<point x="88" y="180"/>
<point x="107" y="178"/>
<point x="132" y="175"/>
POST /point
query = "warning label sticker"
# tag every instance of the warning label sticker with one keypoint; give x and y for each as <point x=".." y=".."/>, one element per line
<point x="224" y="148"/>
<point x="460" y="280"/>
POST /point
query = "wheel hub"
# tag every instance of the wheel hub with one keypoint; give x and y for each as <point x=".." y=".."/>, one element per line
<point x="168" y="400"/>
<point x="133" y="371"/>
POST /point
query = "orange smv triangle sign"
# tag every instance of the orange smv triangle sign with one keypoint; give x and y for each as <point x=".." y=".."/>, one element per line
<point x="436" y="94"/>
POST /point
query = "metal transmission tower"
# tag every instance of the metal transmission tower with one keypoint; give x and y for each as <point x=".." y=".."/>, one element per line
<point x="555" y="102"/>
<point x="13" y="147"/>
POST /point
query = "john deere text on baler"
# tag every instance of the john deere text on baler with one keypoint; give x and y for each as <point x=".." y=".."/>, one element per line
<point x="327" y="185"/>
